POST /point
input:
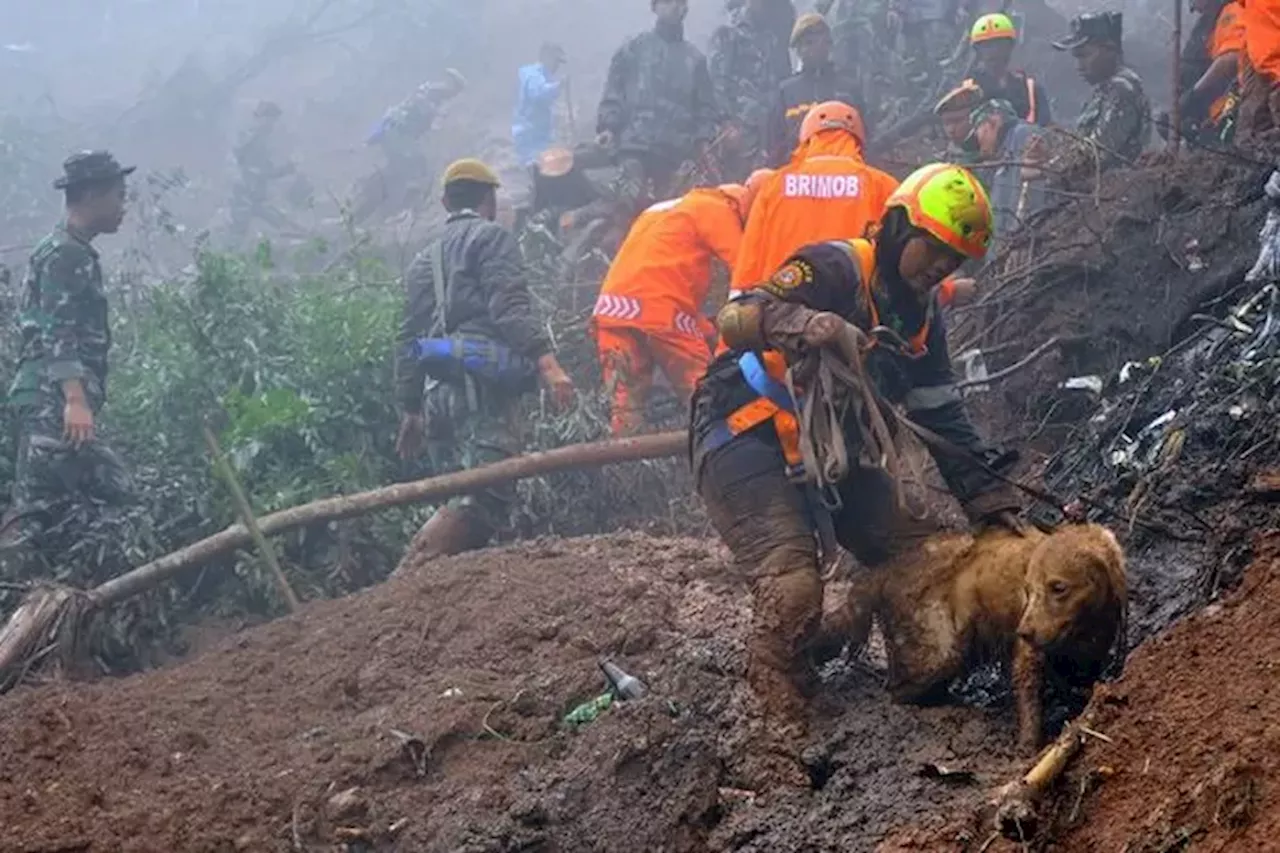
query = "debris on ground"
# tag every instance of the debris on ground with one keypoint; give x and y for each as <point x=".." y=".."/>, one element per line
<point x="426" y="713"/>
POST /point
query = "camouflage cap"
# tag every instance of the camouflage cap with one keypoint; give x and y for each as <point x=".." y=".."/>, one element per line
<point x="91" y="167"/>
<point x="1100" y="27"/>
<point x="470" y="169"/>
<point x="807" y="23"/>
<point x="995" y="106"/>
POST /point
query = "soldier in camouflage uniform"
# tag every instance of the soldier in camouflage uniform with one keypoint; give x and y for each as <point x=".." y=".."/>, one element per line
<point x="60" y="382"/>
<point x="857" y="30"/>
<point x="929" y="34"/>
<point x="468" y="289"/>
<point x="399" y="135"/>
<point x="259" y="169"/>
<point x="817" y="82"/>
<point x="1117" y="117"/>
<point x="748" y="59"/>
<point x="954" y="112"/>
<point x="658" y="110"/>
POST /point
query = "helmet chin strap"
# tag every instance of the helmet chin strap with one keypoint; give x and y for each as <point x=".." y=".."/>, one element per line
<point x="896" y="230"/>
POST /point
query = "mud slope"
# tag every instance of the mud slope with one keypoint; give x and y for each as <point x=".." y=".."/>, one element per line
<point x="245" y="746"/>
<point x="1114" y="272"/>
<point x="1196" y="724"/>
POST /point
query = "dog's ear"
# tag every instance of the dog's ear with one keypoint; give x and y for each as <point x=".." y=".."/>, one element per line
<point x="1111" y="556"/>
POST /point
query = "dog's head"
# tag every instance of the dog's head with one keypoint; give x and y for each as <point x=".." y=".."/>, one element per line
<point x="1075" y="587"/>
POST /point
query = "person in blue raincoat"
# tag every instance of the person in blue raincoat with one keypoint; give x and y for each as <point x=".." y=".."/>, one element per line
<point x="533" y="126"/>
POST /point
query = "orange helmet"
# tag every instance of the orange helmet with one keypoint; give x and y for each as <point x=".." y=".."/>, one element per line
<point x="833" y="115"/>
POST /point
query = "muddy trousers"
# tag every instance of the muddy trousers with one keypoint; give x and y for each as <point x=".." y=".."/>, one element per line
<point x="643" y="179"/>
<point x="768" y="523"/>
<point x="628" y="359"/>
<point x="468" y="426"/>
<point x="1259" y="110"/>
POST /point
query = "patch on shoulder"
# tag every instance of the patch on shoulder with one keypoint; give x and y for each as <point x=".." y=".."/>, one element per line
<point x="791" y="276"/>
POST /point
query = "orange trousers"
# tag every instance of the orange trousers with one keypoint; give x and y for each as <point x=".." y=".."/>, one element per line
<point x="628" y="359"/>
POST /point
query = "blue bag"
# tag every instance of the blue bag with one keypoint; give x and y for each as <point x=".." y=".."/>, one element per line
<point x="456" y="358"/>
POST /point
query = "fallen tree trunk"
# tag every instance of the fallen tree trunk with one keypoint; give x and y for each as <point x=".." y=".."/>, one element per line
<point x="50" y="614"/>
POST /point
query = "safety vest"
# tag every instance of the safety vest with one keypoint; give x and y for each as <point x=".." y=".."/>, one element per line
<point x="766" y="375"/>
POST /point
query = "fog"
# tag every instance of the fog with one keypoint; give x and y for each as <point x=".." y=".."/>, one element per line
<point x="169" y="84"/>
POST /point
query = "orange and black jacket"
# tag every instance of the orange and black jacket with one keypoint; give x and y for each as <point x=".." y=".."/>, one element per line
<point x="829" y="277"/>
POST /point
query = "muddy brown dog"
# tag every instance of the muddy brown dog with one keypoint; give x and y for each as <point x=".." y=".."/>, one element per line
<point x="964" y="599"/>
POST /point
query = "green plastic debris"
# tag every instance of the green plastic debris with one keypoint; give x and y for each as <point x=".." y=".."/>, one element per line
<point x="588" y="711"/>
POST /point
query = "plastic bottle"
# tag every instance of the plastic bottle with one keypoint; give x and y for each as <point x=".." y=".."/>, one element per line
<point x="626" y="686"/>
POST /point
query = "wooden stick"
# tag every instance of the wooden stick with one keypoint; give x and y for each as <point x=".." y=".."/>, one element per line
<point x="1015" y="803"/>
<point x="243" y="509"/>
<point x="433" y="488"/>
<point x="1013" y="368"/>
<point x="1175" y="132"/>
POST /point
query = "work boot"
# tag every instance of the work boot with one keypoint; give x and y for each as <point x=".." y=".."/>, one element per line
<point x="848" y="609"/>
<point x="449" y="531"/>
<point x="788" y="608"/>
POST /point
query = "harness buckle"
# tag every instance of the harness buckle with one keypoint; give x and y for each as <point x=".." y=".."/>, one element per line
<point x="901" y="345"/>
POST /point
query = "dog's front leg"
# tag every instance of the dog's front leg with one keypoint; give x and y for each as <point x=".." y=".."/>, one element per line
<point x="1028" y="679"/>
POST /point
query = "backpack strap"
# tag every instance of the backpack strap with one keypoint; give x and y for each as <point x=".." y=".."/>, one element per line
<point x="439" y="325"/>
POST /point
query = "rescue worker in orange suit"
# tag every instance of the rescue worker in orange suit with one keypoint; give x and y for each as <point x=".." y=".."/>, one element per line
<point x="649" y="312"/>
<point x="744" y="426"/>
<point x="993" y="38"/>
<point x="826" y="192"/>
<point x="1207" y="103"/>
<point x="1259" y="69"/>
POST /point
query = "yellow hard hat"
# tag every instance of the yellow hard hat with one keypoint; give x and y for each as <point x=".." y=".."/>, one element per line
<point x="470" y="169"/>
<point x="948" y="202"/>
<point x="993" y="26"/>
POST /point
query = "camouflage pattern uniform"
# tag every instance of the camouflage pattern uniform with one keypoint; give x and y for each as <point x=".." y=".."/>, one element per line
<point x="748" y="60"/>
<point x="1016" y="186"/>
<point x="856" y="33"/>
<point x="399" y="134"/>
<point x="255" y="160"/>
<point x="660" y="107"/>
<point x="65" y="335"/>
<point x="929" y="35"/>
<point x="469" y="422"/>
<point x="1117" y="117"/>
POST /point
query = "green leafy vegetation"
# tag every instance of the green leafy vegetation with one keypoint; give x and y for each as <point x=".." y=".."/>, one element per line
<point x="293" y="373"/>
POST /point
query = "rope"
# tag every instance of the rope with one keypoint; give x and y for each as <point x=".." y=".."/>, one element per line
<point x="837" y="385"/>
